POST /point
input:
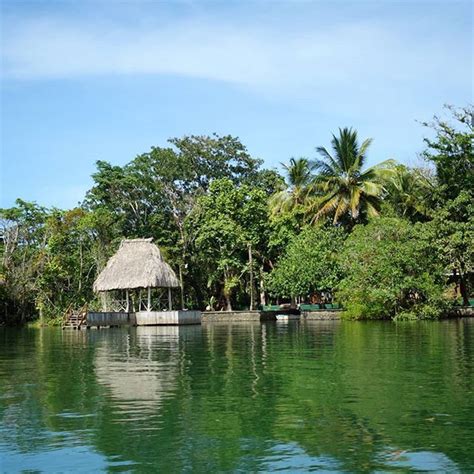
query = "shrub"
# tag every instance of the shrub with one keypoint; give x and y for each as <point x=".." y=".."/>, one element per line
<point x="391" y="271"/>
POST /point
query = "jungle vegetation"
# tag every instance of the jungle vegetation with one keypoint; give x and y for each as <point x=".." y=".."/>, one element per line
<point x="387" y="241"/>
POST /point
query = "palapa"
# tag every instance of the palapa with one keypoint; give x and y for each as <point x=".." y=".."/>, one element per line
<point x="138" y="263"/>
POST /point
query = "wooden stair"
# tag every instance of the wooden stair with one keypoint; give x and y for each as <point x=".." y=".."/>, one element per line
<point x="74" y="319"/>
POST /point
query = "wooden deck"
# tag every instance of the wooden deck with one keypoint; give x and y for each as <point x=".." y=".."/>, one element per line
<point x="143" y="318"/>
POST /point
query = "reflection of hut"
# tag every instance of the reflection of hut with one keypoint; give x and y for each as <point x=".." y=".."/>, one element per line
<point x="137" y="265"/>
<point x="142" y="365"/>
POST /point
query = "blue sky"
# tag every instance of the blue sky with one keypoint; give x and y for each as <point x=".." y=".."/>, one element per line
<point x="106" y="80"/>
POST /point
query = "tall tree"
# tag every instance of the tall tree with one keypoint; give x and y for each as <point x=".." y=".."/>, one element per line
<point x="153" y="194"/>
<point x="451" y="151"/>
<point x="229" y="226"/>
<point x="343" y="188"/>
<point x="409" y="192"/>
<point x="23" y="240"/>
<point x="298" y="179"/>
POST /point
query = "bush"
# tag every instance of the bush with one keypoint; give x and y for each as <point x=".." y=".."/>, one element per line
<point x="391" y="271"/>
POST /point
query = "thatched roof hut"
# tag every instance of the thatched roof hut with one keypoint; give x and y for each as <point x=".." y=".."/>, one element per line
<point x="136" y="264"/>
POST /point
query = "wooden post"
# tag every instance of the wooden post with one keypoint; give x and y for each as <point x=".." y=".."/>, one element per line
<point x="169" y="300"/>
<point x="149" y="300"/>
<point x="128" y="301"/>
<point x="103" y="297"/>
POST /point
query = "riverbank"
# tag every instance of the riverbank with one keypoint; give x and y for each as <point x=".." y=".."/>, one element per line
<point x="257" y="315"/>
<point x="224" y="316"/>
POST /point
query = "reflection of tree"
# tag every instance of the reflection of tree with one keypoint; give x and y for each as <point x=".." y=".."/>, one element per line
<point x="222" y="397"/>
<point x="389" y="388"/>
<point x="50" y="388"/>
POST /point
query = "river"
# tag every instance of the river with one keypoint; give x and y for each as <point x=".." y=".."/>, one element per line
<point x="242" y="397"/>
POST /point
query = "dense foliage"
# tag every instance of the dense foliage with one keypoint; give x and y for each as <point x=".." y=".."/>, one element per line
<point x="229" y="228"/>
<point x="391" y="271"/>
<point x="310" y="263"/>
<point x="388" y="241"/>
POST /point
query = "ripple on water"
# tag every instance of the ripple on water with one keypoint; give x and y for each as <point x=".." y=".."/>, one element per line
<point x="345" y="397"/>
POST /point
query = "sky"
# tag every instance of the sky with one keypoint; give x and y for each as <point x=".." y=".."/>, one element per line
<point x="87" y="80"/>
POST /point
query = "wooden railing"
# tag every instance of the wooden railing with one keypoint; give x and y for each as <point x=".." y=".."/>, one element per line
<point x="83" y="314"/>
<point x="67" y="315"/>
<point x="73" y="318"/>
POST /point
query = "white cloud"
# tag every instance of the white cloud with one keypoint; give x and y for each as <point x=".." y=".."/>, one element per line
<point x="358" y="55"/>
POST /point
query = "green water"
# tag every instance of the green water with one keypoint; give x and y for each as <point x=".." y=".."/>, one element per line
<point x="344" y="397"/>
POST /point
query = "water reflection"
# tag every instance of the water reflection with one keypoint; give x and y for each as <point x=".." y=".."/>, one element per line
<point x="240" y="397"/>
<point x="142" y="366"/>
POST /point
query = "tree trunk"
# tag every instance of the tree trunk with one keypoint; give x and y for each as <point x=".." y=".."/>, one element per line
<point x="181" y="285"/>
<point x="252" y="298"/>
<point x="463" y="286"/>
<point x="228" y="303"/>
<point x="293" y="302"/>
<point x="263" y="299"/>
<point x="227" y="292"/>
<point x="81" y="264"/>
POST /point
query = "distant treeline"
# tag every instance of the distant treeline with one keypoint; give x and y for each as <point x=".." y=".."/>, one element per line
<point x="386" y="241"/>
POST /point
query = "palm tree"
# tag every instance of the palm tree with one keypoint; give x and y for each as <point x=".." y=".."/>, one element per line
<point x="408" y="191"/>
<point x="342" y="187"/>
<point x="298" y="179"/>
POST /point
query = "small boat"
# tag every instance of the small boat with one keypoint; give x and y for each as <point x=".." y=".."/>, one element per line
<point x="288" y="317"/>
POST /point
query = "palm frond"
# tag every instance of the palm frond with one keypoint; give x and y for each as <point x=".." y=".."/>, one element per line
<point x="326" y="205"/>
<point x="328" y="163"/>
<point x="371" y="188"/>
<point x="280" y="202"/>
<point x="361" y="153"/>
<point x="346" y="187"/>
<point x="325" y="169"/>
<point x="342" y="207"/>
<point x="355" y="201"/>
<point x="372" y="206"/>
<point x="298" y="171"/>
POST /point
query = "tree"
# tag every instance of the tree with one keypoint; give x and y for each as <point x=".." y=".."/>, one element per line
<point x="298" y="179"/>
<point x="68" y="268"/>
<point x="50" y="258"/>
<point x="154" y="193"/>
<point x="214" y="157"/>
<point x="409" y="192"/>
<point x="228" y="224"/>
<point x="451" y="151"/>
<point x="391" y="270"/>
<point x="23" y="240"/>
<point x="309" y="263"/>
<point x="452" y="236"/>
<point x="343" y="188"/>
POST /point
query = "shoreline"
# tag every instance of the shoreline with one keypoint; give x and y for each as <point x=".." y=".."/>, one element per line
<point x="263" y="316"/>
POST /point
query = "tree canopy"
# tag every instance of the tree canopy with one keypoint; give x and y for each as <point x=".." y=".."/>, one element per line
<point x="387" y="240"/>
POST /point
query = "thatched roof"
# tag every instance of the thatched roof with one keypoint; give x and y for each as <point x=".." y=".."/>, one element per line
<point x="136" y="264"/>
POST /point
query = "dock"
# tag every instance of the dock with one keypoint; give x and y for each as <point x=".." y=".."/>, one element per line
<point x="101" y="319"/>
